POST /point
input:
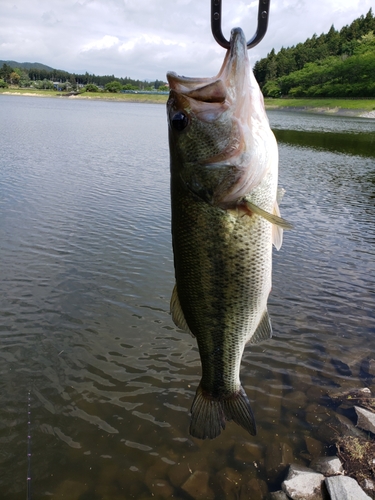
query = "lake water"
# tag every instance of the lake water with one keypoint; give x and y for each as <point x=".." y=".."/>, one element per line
<point x="86" y="276"/>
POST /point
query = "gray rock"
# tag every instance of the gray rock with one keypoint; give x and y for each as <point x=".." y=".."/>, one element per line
<point x="368" y="484"/>
<point x="248" y="452"/>
<point x="303" y="483"/>
<point x="345" y="488"/>
<point x="329" y="466"/>
<point x="178" y="474"/>
<point x="316" y="414"/>
<point x="230" y="482"/>
<point x="368" y="366"/>
<point x="338" y="426"/>
<point x="314" y="447"/>
<point x="278" y="457"/>
<point x="256" y="489"/>
<point x="341" y="367"/>
<point x="278" y="495"/>
<point x="366" y="419"/>
<point x="197" y="486"/>
<point x="294" y="400"/>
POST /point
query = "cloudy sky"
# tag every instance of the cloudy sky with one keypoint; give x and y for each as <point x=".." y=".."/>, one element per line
<point x="143" y="39"/>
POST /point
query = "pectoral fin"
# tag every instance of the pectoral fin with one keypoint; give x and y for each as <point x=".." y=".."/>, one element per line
<point x="272" y="218"/>
<point x="177" y="314"/>
<point x="277" y="231"/>
<point x="280" y="194"/>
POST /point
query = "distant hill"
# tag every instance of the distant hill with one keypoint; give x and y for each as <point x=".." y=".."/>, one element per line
<point x="40" y="72"/>
<point x="26" y="65"/>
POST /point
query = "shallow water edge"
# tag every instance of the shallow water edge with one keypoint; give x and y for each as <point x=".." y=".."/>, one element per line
<point x="368" y="110"/>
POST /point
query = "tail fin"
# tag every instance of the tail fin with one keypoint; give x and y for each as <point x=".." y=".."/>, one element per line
<point x="208" y="415"/>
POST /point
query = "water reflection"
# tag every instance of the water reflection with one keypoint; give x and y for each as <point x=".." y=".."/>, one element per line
<point x="362" y="143"/>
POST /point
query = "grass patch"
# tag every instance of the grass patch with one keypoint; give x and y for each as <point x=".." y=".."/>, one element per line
<point x="44" y="93"/>
<point x="105" y="96"/>
<point x="317" y="104"/>
<point x="365" y="104"/>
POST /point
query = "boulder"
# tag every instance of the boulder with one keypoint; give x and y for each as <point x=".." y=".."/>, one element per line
<point x="366" y="419"/>
<point x="197" y="486"/>
<point x="329" y="466"/>
<point x="338" y="426"/>
<point x="314" y="447"/>
<point x="368" y="367"/>
<point x="278" y="457"/>
<point x="345" y="488"/>
<point x="230" y="482"/>
<point x="303" y="483"/>
<point x="255" y="489"/>
<point x="278" y="495"/>
<point x="341" y="367"/>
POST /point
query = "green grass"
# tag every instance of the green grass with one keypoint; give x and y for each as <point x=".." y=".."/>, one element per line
<point x="150" y="98"/>
<point x="318" y="104"/>
<point x="45" y="93"/>
<point x="365" y="104"/>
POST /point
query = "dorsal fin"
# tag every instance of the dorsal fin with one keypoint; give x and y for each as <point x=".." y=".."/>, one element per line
<point x="177" y="314"/>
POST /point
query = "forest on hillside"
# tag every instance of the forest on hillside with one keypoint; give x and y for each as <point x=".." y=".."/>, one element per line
<point x="41" y="76"/>
<point x="335" y="64"/>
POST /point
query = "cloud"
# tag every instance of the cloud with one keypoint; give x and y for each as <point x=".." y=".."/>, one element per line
<point x="106" y="42"/>
<point x="143" y="39"/>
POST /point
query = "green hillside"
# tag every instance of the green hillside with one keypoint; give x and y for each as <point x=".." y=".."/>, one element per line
<point x="40" y="76"/>
<point x="335" y="64"/>
<point x="26" y="65"/>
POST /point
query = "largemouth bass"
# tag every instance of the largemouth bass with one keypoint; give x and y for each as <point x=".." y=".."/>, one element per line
<point x="225" y="217"/>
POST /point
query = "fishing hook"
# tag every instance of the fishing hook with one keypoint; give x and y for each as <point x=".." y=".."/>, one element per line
<point x="263" y="12"/>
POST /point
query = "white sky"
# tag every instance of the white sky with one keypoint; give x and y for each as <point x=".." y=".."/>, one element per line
<point x="143" y="39"/>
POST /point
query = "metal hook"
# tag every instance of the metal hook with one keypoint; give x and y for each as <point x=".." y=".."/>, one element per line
<point x="263" y="12"/>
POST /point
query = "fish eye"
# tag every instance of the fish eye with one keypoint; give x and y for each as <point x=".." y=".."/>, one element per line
<point x="179" y="121"/>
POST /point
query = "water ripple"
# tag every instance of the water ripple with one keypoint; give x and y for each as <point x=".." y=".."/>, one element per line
<point x="87" y="274"/>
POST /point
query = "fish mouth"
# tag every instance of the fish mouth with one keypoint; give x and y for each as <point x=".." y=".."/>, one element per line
<point x="227" y="83"/>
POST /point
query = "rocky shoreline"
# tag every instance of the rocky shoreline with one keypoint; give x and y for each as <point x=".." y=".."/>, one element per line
<point x="350" y="473"/>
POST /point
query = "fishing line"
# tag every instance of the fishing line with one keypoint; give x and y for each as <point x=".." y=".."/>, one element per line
<point x="28" y="477"/>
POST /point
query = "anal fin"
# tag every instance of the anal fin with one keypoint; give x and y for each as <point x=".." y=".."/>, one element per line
<point x="263" y="331"/>
<point x="177" y="313"/>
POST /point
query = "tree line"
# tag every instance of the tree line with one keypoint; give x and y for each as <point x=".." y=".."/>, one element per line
<point x="43" y="78"/>
<point x="335" y="64"/>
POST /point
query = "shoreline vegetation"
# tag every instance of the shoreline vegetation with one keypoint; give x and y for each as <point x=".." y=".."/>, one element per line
<point x="333" y="106"/>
